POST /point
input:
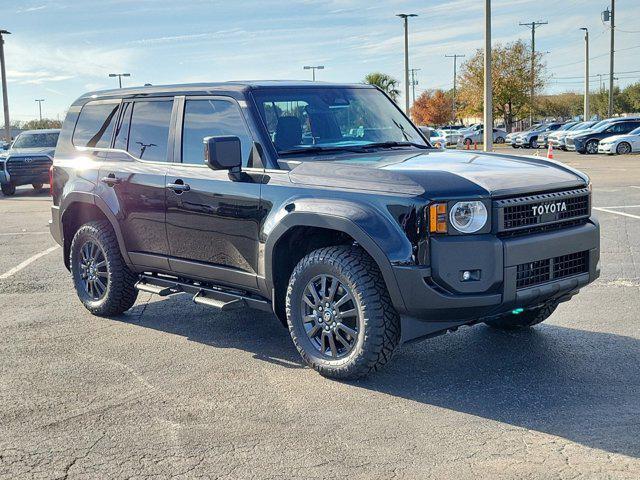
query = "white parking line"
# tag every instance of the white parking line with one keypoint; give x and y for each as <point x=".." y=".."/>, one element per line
<point x="617" y="213"/>
<point x="23" y="233"/>
<point x="28" y="262"/>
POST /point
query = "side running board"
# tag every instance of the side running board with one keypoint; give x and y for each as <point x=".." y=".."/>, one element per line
<point x="219" y="297"/>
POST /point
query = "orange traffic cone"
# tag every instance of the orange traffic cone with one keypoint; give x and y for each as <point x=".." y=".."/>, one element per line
<point x="550" y="152"/>
<point x="467" y="145"/>
<point x="475" y="145"/>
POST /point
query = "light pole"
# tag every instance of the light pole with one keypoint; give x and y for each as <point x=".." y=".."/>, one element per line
<point x="488" y="94"/>
<point x="455" y="68"/>
<point x="405" y="17"/>
<point x="40" y="100"/>
<point x="119" y="75"/>
<point x="533" y="26"/>
<point x="586" y="115"/>
<point x="610" y="15"/>
<point x="313" y="70"/>
<point x="414" y="82"/>
<point x="5" y="98"/>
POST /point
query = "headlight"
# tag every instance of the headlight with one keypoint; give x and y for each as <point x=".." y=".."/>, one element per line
<point x="468" y="217"/>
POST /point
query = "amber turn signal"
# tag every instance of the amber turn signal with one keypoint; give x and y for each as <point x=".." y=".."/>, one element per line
<point x="438" y="218"/>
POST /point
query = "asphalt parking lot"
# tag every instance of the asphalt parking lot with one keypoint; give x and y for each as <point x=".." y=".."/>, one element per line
<point x="172" y="389"/>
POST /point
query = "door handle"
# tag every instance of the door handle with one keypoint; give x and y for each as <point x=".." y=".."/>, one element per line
<point x="179" y="187"/>
<point x="111" y="180"/>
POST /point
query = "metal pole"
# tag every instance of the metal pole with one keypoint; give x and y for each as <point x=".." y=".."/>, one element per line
<point x="533" y="26"/>
<point x="5" y="97"/>
<point x="455" y="76"/>
<point x="413" y="83"/>
<point x="313" y="74"/>
<point x="488" y="96"/>
<point x="586" y="75"/>
<point x="40" y="100"/>
<point x="406" y="63"/>
<point x="611" y="54"/>
<point x="119" y="81"/>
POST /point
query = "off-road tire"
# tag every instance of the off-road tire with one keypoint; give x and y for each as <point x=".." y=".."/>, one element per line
<point x="121" y="293"/>
<point x="37" y="186"/>
<point x="526" y="319"/>
<point x="8" y="189"/>
<point x="379" y="323"/>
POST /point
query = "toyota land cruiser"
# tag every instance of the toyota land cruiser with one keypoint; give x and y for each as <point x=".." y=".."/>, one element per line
<point x="322" y="203"/>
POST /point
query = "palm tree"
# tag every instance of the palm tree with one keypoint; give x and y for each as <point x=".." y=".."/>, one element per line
<point x="384" y="82"/>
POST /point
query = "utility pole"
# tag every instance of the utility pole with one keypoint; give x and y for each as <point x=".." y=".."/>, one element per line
<point x="119" y="75"/>
<point x="610" y="15"/>
<point x="488" y="94"/>
<point x="455" y="68"/>
<point x="405" y="17"/>
<point x="586" y="115"/>
<point x="5" y="97"/>
<point x="414" y="82"/>
<point x="533" y="26"/>
<point x="313" y="70"/>
<point x="40" y="100"/>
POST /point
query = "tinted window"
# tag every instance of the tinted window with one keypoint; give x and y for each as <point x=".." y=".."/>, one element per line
<point x="149" y="132"/>
<point x="122" y="130"/>
<point x="209" y="118"/>
<point x="36" y="140"/>
<point x="95" y="125"/>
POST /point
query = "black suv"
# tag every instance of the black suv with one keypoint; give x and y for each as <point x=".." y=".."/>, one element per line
<point x="321" y="202"/>
<point x="28" y="160"/>
<point x="586" y="142"/>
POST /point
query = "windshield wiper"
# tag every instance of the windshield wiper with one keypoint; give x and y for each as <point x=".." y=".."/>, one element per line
<point x="318" y="149"/>
<point x="394" y="144"/>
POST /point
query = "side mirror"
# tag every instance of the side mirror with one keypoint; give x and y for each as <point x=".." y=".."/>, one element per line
<point x="222" y="153"/>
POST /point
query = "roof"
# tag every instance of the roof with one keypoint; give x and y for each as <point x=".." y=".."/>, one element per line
<point x="231" y="86"/>
<point x="43" y="130"/>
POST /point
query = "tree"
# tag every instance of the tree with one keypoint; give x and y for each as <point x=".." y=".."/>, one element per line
<point x="385" y="82"/>
<point x="511" y="72"/>
<point x="561" y="106"/>
<point x="41" y="124"/>
<point x="432" y="107"/>
<point x="631" y="97"/>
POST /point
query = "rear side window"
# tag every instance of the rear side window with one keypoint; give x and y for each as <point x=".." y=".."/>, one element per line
<point x="95" y="125"/>
<point x="149" y="131"/>
<point x="209" y="118"/>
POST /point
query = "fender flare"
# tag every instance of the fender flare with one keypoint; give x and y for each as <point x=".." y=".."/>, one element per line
<point x="89" y="198"/>
<point x="339" y="223"/>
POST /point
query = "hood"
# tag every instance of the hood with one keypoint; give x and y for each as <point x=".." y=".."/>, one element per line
<point x="25" y="152"/>
<point x="438" y="174"/>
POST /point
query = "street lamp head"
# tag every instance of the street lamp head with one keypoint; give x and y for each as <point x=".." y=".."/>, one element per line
<point x="584" y="28"/>
<point x="320" y="67"/>
<point x="306" y="67"/>
<point x="5" y="32"/>
<point x="406" y="15"/>
<point x="126" y="74"/>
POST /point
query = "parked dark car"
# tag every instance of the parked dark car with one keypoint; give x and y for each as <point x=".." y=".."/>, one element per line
<point x="587" y="142"/>
<point x="322" y="203"/>
<point x="28" y="160"/>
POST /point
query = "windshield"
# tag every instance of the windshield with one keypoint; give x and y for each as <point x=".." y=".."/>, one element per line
<point x="313" y="119"/>
<point x="635" y="132"/>
<point x="599" y="124"/>
<point x="36" y="140"/>
<point x="567" y="126"/>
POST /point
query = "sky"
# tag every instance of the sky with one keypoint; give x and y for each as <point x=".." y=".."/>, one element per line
<point x="61" y="49"/>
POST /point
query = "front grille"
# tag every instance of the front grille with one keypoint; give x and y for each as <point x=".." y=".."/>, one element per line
<point x="35" y="166"/>
<point x="543" y="271"/>
<point x="534" y="212"/>
<point x="551" y="227"/>
<point x="568" y="141"/>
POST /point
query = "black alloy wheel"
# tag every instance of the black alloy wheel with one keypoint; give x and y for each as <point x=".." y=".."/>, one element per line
<point x="592" y="147"/>
<point x="94" y="273"/>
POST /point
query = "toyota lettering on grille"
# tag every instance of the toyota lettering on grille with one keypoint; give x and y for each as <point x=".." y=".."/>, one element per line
<point x="548" y="211"/>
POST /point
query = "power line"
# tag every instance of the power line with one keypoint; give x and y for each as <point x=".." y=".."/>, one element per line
<point x="533" y="26"/>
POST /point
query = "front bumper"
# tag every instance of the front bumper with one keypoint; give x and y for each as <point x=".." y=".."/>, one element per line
<point x="437" y="296"/>
<point x="607" y="148"/>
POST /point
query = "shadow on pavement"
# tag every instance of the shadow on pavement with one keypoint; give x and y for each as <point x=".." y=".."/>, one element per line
<point x="580" y="385"/>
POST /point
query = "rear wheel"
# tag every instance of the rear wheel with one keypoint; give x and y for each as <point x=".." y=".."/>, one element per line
<point x="102" y="280"/>
<point x="623" y="148"/>
<point x="526" y="319"/>
<point x="8" y="189"/>
<point x="592" y="147"/>
<point x="339" y="313"/>
<point x="499" y="140"/>
<point x="533" y="143"/>
<point x="37" y="186"/>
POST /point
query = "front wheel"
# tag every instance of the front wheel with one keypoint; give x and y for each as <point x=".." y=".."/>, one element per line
<point x="526" y="319"/>
<point x="591" y="147"/>
<point x="37" y="186"/>
<point x="623" y="148"/>
<point x="102" y="280"/>
<point x="339" y="313"/>
<point x="8" y="189"/>
<point x="533" y="143"/>
<point x="500" y="140"/>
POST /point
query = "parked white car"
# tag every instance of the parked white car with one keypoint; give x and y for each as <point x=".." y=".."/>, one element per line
<point x="452" y="136"/>
<point x="436" y="137"/>
<point x="621" y="144"/>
